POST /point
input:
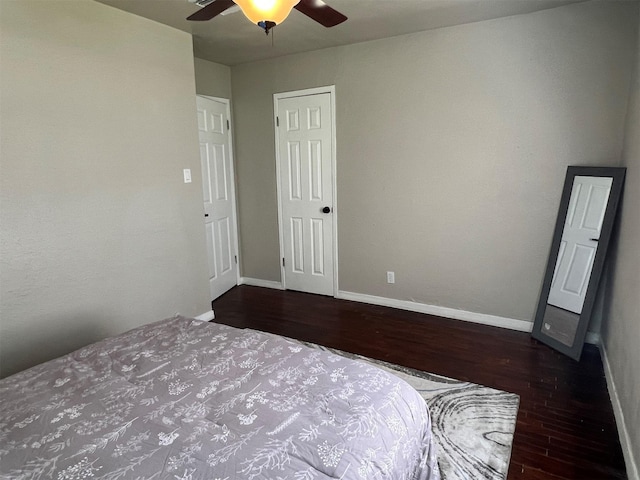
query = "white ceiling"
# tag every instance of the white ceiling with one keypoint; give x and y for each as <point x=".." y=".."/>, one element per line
<point x="232" y="39"/>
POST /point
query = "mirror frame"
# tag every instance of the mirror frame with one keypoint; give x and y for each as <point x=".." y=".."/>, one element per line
<point x="617" y="174"/>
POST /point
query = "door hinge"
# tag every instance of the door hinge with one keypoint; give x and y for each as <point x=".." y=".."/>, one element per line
<point x="236" y="258"/>
<point x="283" y="261"/>
<point x="277" y="121"/>
<point x="228" y="127"/>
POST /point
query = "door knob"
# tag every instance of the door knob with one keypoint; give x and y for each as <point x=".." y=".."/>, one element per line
<point x="206" y="214"/>
<point x="326" y="210"/>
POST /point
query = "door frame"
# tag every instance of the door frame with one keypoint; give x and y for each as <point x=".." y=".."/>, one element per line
<point x="234" y="200"/>
<point x="331" y="90"/>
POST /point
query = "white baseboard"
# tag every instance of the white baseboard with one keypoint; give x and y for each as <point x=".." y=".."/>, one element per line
<point x="207" y="316"/>
<point x="623" y="432"/>
<point x="482" y="318"/>
<point x="256" y="282"/>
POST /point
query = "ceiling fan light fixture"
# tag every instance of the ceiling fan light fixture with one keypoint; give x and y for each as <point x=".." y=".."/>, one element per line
<point x="275" y="11"/>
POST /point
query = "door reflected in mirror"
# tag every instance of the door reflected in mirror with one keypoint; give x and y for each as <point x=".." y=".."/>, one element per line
<point x="579" y="242"/>
<point x="583" y="227"/>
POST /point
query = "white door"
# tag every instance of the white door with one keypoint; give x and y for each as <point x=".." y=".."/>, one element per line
<point x="587" y="206"/>
<point x="219" y="195"/>
<point x="305" y="158"/>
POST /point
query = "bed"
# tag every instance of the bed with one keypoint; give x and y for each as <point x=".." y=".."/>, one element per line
<point x="185" y="399"/>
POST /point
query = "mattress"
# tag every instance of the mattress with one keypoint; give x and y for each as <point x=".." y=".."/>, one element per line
<point x="185" y="399"/>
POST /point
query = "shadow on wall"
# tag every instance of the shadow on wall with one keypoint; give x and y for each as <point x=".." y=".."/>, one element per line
<point x="605" y="291"/>
<point x="56" y="337"/>
<point x="602" y="301"/>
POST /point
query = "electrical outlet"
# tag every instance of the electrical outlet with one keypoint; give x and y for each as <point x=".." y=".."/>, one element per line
<point x="391" y="277"/>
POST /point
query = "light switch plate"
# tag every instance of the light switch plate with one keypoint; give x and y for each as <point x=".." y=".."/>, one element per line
<point x="187" y="175"/>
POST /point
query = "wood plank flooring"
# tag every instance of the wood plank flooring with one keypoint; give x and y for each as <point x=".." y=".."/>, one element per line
<point x="565" y="427"/>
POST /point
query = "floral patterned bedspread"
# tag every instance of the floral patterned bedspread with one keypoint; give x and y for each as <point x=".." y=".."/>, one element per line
<point x="184" y="399"/>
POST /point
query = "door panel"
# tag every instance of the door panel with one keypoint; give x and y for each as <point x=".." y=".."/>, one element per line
<point x="295" y="179"/>
<point x="211" y="257"/>
<point x="217" y="187"/>
<point x="219" y="176"/>
<point x="297" y="245"/>
<point x="317" y="247"/>
<point x="305" y="146"/>
<point x="224" y="241"/>
<point x="585" y="214"/>
<point x="315" y="170"/>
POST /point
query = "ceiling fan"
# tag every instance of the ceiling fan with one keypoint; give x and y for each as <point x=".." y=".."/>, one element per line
<point x="269" y="13"/>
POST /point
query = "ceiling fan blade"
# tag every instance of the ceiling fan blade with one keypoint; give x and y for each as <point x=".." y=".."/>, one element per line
<point x="214" y="8"/>
<point x="320" y="12"/>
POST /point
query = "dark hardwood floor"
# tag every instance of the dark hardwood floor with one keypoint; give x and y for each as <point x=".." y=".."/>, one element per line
<point x="565" y="427"/>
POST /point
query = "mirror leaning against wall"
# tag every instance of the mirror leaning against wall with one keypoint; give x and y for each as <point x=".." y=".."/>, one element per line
<point x="588" y="207"/>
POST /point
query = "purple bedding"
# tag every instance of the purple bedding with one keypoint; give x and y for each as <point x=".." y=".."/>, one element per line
<point x="184" y="399"/>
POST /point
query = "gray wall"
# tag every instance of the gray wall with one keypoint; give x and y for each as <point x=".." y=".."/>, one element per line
<point x="212" y="79"/>
<point x="452" y="146"/>
<point x="98" y="232"/>
<point x="621" y="326"/>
